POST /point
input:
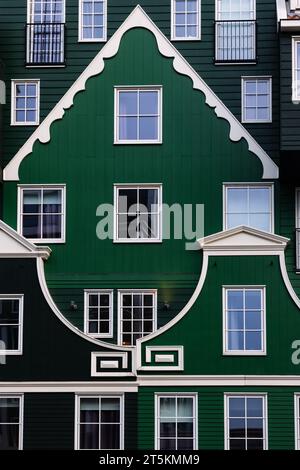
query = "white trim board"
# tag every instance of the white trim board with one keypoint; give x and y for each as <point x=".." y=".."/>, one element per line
<point x="69" y="387"/>
<point x="139" y="19"/>
<point x="14" y="245"/>
<point x="218" y="381"/>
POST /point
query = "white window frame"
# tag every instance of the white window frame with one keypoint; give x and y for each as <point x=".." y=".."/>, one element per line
<point x="218" y="18"/>
<point x="61" y="187"/>
<point x="20" y="397"/>
<point x="264" y="396"/>
<point x="80" y="25"/>
<point x="137" y="88"/>
<point x="245" y="185"/>
<point x="257" y="78"/>
<point x="135" y="291"/>
<point x="297" y="420"/>
<point x="29" y="13"/>
<point x="241" y="352"/>
<point x="295" y="67"/>
<point x="192" y="395"/>
<point x="19" y="351"/>
<point x="137" y="186"/>
<point x="173" y="25"/>
<point x="98" y="396"/>
<point x="14" y="83"/>
<point x="87" y="293"/>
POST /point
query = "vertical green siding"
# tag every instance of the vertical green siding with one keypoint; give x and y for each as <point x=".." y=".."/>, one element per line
<point x="224" y="80"/>
<point x="211" y="415"/>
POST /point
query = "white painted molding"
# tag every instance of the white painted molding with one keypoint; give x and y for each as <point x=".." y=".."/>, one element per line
<point x="290" y="25"/>
<point x="287" y="281"/>
<point x="243" y="240"/>
<point x="110" y="363"/>
<point x="14" y="245"/>
<point x="139" y="19"/>
<point x="218" y="380"/>
<point x="150" y="354"/>
<point x="281" y="10"/>
<point x="62" y="318"/>
<point x="178" y="317"/>
<point x="71" y="387"/>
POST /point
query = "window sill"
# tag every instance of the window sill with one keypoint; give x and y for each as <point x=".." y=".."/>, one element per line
<point x="137" y="241"/>
<point x="221" y="62"/>
<point x="138" y="142"/>
<point x="244" y="353"/>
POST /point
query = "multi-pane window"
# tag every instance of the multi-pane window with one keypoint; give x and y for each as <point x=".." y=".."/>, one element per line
<point x="235" y="30"/>
<point x="42" y="213"/>
<point x="11" y="324"/>
<point x="138" y="115"/>
<point x="257" y="99"/>
<point x="45" y="32"/>
<point x="176" y="422"/>
<point x="297" y="228"/>
<point x="25" y="102"/>
<point x="250" y="205"/>
<point x="11" y="422"/>
<point x="246" y="425"/>
<point x="137" y="315"/>
<point x="297" y="423"/>
<point x="137" y="213"/>
<point x="92" y="24"/>
<point x="46" y="11"/>
<point x="186" y="16"/>
<point x="244" y="321"/>
<point x="296" y="69"/>
<point x="99" y="313"/>
<point x="99" y="422"/>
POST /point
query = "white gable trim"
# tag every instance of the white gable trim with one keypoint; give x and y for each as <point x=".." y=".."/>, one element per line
<point x="243" y="241"/>
<point x="13" y="245"/>
<point x="139" y="19"/>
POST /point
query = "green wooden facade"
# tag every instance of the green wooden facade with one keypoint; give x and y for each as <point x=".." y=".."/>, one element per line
<point x="204" y="147"/>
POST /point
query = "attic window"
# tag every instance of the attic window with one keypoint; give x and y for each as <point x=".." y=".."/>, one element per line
<point x="92" y="20"/>
<point x="185" y="23"/>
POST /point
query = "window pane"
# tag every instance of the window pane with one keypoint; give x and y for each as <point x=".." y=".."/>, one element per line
<point x="52" y="226"/>
<point x="148" y="199"/>
<point x="237" y="427"/>
<point x="31" y="201"/>
<point x="235" y="320"/>
<point x="235" y="340"/>
<point x="184" y="407"/>
<point x="167" y="407"/>
<point x="89" y="410"/>
<point x="234" y="220"/>
<point x="260" y="221"/>
<point x="128" y="104"/>
<point x="184" y="444"/>
<point x="180" y="31"/>
<point x="32" y="226"/>
<point x="237" y="444"/>
<point x="98" y="7"/>
<point x="191" y="5"/>
<point x="52" y="200"/>
<point x="127" y="199"/>
<point x="20" y="116"/>
<point x="253" y="341"/>
<point x="168" y="429"/>
<point x="255" y="407"/>
<point x="9" y="335"/>
<point x="149" y="102"/>
<point x="237" y="407"/>
<point x="148" y="128"/>
<point x="9" y="437"/>
<point x="9" y="410"/>
<point x="9" y="311"/>
<point x="250" y="114"/>
<point x="89" y="436"/>
<point x="263" y="114"/>
<point x="254" y="428"/>
<point x="237" y="200"/>
<point x="253" y="299"/>
<point x="235" y="299"/>
<point x="250" y="86"/>
<point x="110" y="436"/>
<point x="259" y="200"/>
<point x="110" y="410"/>
<point x="253" y="320"/>
<point x="191" y="31"/>
<point x="255" y="444"/>
<point x="167" y="444"/>
<point x="185" y="428"/>
<point x="128" y="128"/>
<point x="180" y="5"/>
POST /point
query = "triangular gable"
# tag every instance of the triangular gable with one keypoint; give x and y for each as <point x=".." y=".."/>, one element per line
<point x="243" y="238"/>
<point x="13" y="245"/>
<point x="139" y="19"/>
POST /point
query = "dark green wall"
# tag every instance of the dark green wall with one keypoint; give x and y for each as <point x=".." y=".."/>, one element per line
<point x="224" y="80"/>
<point x="200" y="331"/>
<point x="289" y="112"/>
<point x="211" y="415"/>
<point x="51" y="351"/>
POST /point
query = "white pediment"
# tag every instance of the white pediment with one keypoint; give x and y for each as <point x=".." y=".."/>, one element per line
<point x="13" y="245"/>
<point x="243" y="238"/>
